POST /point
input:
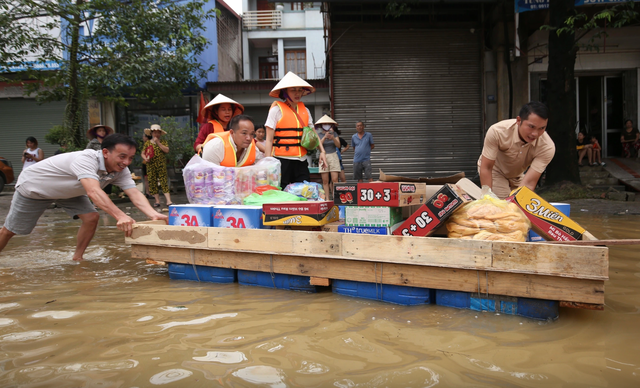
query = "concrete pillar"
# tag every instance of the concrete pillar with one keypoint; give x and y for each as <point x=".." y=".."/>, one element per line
<point x="281" y="58"/>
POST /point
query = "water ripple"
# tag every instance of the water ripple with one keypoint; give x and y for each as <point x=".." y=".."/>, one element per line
<point x="223" y="357"/>
<point x="198" y="321"/>
<point x="169" y="376"/>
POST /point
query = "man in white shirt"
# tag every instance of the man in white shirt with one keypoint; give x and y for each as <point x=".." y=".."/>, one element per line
<point x="71" y="179"/>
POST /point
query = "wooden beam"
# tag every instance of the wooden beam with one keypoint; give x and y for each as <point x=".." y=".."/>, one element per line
<point x="585" y="306"/>
<point x="314" y="281"/>
<point x="599" y="243"/>
<point x="498" y="283"/>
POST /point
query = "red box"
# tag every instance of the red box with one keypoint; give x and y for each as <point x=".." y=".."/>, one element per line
<point x="345" y="195"/>
<point x="393" y="194"/>
<point x="438" y="208"/>
<point x="311" y="213"/>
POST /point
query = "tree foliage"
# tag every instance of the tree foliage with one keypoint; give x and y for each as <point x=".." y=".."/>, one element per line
<point x="106" y="49"/>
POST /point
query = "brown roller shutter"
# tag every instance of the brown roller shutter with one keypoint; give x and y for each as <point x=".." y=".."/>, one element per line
<point x="419" y="93"/>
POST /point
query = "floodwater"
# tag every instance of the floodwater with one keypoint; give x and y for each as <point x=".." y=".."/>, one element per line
<point x="112" y="321"/>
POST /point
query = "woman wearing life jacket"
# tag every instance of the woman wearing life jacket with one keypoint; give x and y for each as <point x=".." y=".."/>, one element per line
<point x="218" y="112"/>
<point x="285" y="124"/>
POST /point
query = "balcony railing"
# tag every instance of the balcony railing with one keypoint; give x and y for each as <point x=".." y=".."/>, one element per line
<point x="253" y="20"/>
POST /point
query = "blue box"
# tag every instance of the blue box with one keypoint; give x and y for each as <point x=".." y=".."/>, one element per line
<point x="404" y="295"/>
<point x="191" y="215"/>
<point x="281" y="281"/>
<point x="237" y="216"/>
<point x="364" y="229"/>
<point x="526" y="307"/>
<point x="565" y="208"/>
<point x="203" y="274"/>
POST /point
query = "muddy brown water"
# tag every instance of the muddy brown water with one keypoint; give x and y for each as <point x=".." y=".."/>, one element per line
<point x="112" y="321"/>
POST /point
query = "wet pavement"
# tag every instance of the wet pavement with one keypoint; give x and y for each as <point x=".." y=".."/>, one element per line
<point x="627" y="170"/>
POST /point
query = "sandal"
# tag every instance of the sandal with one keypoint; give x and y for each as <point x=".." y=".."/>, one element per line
<point x="156" y="204"/>
<point x="169" y="204"/>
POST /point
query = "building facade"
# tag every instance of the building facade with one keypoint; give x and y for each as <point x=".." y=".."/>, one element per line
<point x="278" y="38"/>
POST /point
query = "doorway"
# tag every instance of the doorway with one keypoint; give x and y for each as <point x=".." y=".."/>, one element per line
<point x="600" y="106"/>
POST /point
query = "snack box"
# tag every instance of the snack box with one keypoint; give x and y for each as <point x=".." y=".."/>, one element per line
<point x="565" y="208"/>
<point x="394" y="194"/>
<point x="191" y="215"/>
<point x="237" y="216"/>
<point x="310" y="213"/>
<point x="345" y="195"/>
<point x="546" y="220"/>
<point x="372" y="216"/>
<point x="435" y="212"/>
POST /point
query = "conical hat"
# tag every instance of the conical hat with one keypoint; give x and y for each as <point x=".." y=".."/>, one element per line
<point x="291" y="80"/>
<point x="326" y="120"/>
<point x="91" y="133"/>
<point x="222" y="99"/>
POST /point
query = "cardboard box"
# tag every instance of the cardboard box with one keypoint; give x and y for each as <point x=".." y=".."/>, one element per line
<point x="546" y="220"/>
<point x="394" y="194"/>
<point x="191" y="215"/>
<point x="303" y="228"/>
<point x="435" y="212"/>
<point x="310" y="213"/>
<point x="332" y="226"/>
<point x="237" y="216"/>
<point x="345" y="195"/>
<point x="565" y="208"/>
<point x="372" y="216"/>
<point x="384" y="230"/>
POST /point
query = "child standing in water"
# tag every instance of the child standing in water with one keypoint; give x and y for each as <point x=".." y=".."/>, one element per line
<point x="595" y="146"/>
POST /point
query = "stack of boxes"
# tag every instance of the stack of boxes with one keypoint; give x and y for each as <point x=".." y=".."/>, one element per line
<point x="375" y="208"/>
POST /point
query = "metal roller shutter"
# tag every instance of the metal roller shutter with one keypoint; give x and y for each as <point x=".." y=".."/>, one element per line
<point x="419" y="94"/>
<point x="22" y="118"/>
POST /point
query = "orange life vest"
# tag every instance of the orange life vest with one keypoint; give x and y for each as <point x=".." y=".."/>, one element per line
<point x="230" y="158"/>
<point x="288" y="131"/>
<point x="217" y="127"/>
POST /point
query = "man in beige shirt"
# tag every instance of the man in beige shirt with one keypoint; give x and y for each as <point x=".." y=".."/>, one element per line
<point x="513" y="146"/>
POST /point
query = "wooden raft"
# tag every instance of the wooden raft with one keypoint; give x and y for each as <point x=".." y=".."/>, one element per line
<point x="574" y="275"/>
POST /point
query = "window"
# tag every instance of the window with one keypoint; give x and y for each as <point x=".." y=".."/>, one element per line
<point x="297" y="6"/>
<point x="268" y="67"/>
<point x="295" y="61"/>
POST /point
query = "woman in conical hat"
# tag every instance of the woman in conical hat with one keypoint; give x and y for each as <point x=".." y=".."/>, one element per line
<point x="325" y="128"/>
<point x="97" y="133"/>
<point x="218" y="112"/>
<point x="285" y="124"/>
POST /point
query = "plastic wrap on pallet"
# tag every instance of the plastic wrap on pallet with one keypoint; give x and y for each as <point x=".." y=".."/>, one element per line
<point x="209" y="184"/>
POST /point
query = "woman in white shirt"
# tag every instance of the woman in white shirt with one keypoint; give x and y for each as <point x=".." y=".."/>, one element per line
<point x="32" y="154"/>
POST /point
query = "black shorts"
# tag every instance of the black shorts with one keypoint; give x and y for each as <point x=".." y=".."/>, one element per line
<point x="293" y="171"/>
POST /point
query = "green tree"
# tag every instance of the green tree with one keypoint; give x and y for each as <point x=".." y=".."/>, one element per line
<point x="566" y="28"/>
<point x="136" y="48"/>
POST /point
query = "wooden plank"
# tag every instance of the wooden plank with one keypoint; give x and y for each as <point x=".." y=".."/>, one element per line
<point x="154" y="234"/>
<point x="532" y="258"/>
<point x="588" y="236"/>
<point x="599" y="243"/>
<point x="314" y="281"/>
<point x="160" y="263"/>
<point x="251" y="240"/>
<point x="497" y="283"/>
<point x="580" y="262"/>
<point x="440" y="252"/>
<point x="586" y="306"/>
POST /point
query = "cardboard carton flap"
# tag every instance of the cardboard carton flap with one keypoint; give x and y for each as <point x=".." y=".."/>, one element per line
<point x="428" y="180"/>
